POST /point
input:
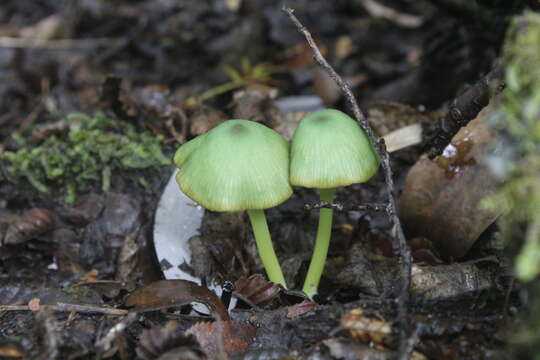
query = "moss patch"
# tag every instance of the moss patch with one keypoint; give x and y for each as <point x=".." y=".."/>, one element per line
<point x="89" y="152"/>
<point x="517" y="163"/>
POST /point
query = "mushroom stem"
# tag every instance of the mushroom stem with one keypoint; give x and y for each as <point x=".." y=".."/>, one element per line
<point x="322" y="243"/>
<point x="265" y="248"/>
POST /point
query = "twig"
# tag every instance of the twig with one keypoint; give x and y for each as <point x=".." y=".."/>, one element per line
<point x="378" y="10"/>
<point x="59" y="44"/>
<point x="85" y="309"/>
<point x="325" y="205"/>
<point x="399" y="243"/>
<point x="411" y="342"/>
<point x="342" y="207"/>
<point x="464" y="109"/>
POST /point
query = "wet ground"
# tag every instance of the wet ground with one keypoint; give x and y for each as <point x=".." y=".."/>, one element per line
<point x="78" y="192"/>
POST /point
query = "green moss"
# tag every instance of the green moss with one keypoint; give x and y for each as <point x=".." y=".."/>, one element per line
<point x="517" y="166"/>
<point x="89" y="152"/>
<point x="518" y="161"/>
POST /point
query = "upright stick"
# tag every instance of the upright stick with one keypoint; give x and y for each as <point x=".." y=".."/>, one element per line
<point x="399" y="243"/>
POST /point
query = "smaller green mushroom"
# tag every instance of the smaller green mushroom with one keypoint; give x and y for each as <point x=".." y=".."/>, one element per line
<point x="239" y="165"/>
<point x="328" y="150"/>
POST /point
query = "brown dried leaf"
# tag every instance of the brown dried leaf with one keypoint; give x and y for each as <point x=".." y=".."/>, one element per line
<point x="298" y="310"/>
<point x="347" y="349"/>
<point x="425" y="256"/>
<point x="367" y="329"/>
<point x="442" y="199"/>
<point x="171" y="293"/>
<point x="448" y="281"/>
<point x="45" y="29"/>
<point x="29" y="225"/>
<point x="87" y="209"/>
<point x="256" y="290"/>
<point x="255" y="103"/>
<point x="298" y="56"/>
<point x="33" y="305"/>
<point x="325" y="87"/>
<point x="236" y="337"/>
<point x="205" y="119"/>
<point x="90" y="276"/>
<point x="128" y="258"/>
<point x="160" y="340"/>
<point x="386" y="117"/>
<point x="11" y="351"/>
<point x="423" y="251"/>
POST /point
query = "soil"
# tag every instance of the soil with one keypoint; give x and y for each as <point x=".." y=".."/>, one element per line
<point x="173" y="70"/>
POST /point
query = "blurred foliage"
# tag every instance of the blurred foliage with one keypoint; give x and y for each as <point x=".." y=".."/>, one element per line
<point x="517" y="165"/>
<point x="87" y="151"/>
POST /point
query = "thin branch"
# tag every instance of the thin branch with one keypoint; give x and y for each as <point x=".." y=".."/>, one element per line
<point x="378" y="10"/>
<point x="54" y="44"/>
<point x="399" y="243"/>
<point x="341" y="207"/>
<point x="62" y="307"/>
<point x="325" y="205"/>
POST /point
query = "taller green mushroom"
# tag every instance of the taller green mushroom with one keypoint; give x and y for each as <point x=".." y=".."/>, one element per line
<point x="328" y="150"/>
<point x="239" y="165"/>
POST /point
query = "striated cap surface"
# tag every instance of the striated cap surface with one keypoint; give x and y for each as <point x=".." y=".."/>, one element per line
<point x="238" y="165"/>
<point x="329" y="149"/>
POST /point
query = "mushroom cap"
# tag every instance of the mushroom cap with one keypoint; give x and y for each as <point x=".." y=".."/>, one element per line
<point x="238" y="165"/>
<point x="329" y="149"/>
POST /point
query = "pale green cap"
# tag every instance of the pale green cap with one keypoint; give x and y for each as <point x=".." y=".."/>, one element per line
<point x="329" y="149"/>
<point x="238" y="165"/>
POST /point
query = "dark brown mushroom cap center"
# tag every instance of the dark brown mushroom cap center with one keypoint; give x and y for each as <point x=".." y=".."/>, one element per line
<point x="239" y="129"/>
<point x="322" y="117"/>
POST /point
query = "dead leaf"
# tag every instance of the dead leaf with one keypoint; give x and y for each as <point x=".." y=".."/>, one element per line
<point x="128" y="258"/>
<point x="386" y="117"/>
<point x="256" y="290"/>
<point x="325" y="87"/>
<point x="236" y="337"/>
<point x="367" y="329"/>
<point x="173" y="293"/>
<point x="90" y="276"/>
<point x="205" y="119"/>
<point x="11" y="351"/>
<point x="32" y="223"/>
<point x="442" y="199"/>
<point x="348" y="349"/>
<point x="33" y="304"/>
<point x="45" y="29"/>
<point x="298" y="56"/>
<point x="161" y="340"/>
<point x="343" y="46"/>
<point x="448" y="281"/>
<point x="298" y="310"/>
<point x="87" y="209"/>
<point x="256" y="104"/>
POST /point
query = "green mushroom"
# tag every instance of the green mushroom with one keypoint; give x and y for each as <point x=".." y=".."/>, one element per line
<point x="239" y="165"/>
<point x="328" y="150"/>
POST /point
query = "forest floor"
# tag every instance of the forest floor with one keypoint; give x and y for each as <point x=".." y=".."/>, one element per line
<point x="95" y="96"/>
